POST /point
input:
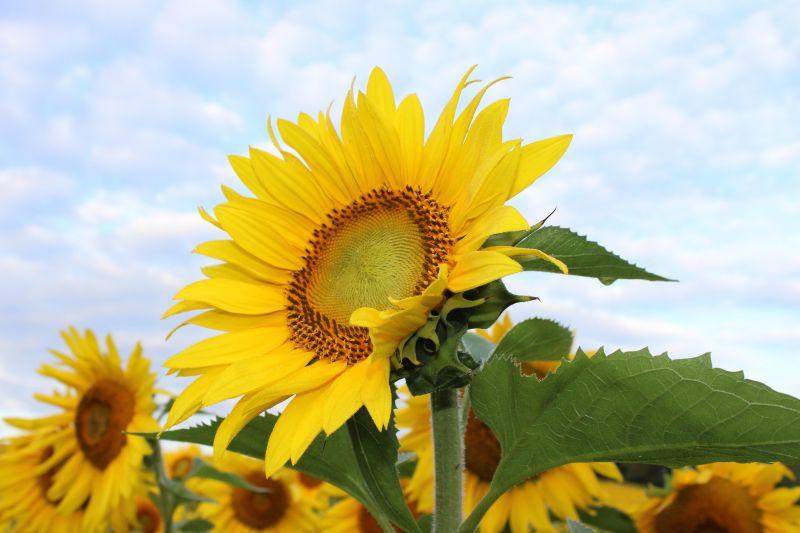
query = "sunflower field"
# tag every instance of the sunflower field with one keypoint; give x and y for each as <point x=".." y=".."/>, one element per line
<point x="358" y="370"/>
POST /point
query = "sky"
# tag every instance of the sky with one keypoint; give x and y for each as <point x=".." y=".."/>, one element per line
<point x="116" y="119"/>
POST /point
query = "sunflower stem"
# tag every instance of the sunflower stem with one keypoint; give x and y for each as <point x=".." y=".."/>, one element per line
<point x="448" y="453"/>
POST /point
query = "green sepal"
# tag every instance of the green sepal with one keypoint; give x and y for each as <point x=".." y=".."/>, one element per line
<point x="495" y="300"/>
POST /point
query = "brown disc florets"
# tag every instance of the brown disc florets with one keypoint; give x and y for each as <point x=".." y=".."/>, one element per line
<point x="103" y="413"/>
<point x="716" y="506"/>
<point x="260" y="510"/>
<point x="481" y="449"/>
<point x="387" y="244"/>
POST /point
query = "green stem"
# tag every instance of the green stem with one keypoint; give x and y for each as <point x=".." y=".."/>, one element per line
<point x="448" y="454"/>
<point x="166" y="500"/>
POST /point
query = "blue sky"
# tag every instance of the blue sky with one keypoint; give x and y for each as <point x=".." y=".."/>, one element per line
<point x="116" y="117"/>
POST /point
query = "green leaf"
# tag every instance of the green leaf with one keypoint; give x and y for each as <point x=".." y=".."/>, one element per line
<point x="337" y="460"/>
<point x="607" y="519"/>
<point x="196" y="524"/>
<point x="582" y="256"/>
<point x="630" y="407"/>
<point x="535" y="339"/>
<point x="204" y="470"/>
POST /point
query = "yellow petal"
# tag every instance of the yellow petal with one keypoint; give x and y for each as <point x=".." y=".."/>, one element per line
<point x="258" y="234"/>
<point x="229" y="348"/>
<point x="513" y="251"/>
<point x="291" y="187"/>
<point x="189" y="402"/>
<point x="479" y="268"/>
<point x="376" y="393"/>
<point x="499" y="220"/>
<point x="379" y="92"/>
<point x="235" y="296"/>
<point x="251" y="374"/>
<point x="345" y="397"/>
<point x="230" y="252"/>
<point x="183" y="307"/>
<point x="411" y="131"/>
<point x="537" y="158"/>
<point x="279" y="447"/>
<point x="245" y="410"/>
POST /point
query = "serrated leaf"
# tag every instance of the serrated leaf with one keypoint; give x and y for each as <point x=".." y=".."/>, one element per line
<point x="535" y="339"/>
<point x="334" y="460"/>
<point x="630" y="407"/>
<point x="582" y="256"/>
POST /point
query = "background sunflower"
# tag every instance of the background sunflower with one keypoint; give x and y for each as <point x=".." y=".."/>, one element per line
<point x="100" y="467"/>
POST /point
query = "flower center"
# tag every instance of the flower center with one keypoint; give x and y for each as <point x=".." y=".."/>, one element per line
<point x="181" y="467"/>
<point x="309" y="482"/>
<point x="147" y="516"/>
<point x="368" y="524"/>
<point x="481" y="448"/>
<point x="387" y="244"/>
<point x="717" y="506"/>
<point x="260" y="510"/>
<point x="105" y="410"/>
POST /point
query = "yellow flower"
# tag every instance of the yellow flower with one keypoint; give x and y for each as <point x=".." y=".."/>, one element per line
<point x="561" y="490"/>
<point x="351" y="240"/>
<point x="147" y="518"/>
<point x="282" y="509"/>
<point x="732" y="497"/>
<point x="348" y="515"/>
<point x="178" y="463"/>
<point x="28" y="467"/>
<point x="95" y="465"/>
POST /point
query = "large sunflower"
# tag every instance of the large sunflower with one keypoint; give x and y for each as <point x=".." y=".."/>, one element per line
<point x="99" y="466"/>
<point x="282" y="509"/>
<point x="351" y="240"/>
<point x="726" y="498"/>
<point x="560" y="491"/>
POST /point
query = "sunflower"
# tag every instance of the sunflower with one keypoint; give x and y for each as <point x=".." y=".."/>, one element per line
<point x="28" y="465"/>
<point x="724" y="497"/>
<point x="281" y="509"/>
<point x="146" y="517"/>
<point x="350" y="242"/>
<point x="561" y="490"/>
<point x="178" y="463"/>
<point x="98" y="466"/>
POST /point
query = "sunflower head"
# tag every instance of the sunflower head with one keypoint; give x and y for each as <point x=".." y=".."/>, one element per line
<point x="357" y="236"/>
<point x="92" y="463"/>
<point x="279" y="506"/>
<point x="724" y="497"/>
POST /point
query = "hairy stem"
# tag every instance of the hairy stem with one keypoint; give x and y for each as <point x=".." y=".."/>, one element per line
<point x="448" y="452"/>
